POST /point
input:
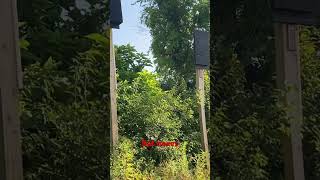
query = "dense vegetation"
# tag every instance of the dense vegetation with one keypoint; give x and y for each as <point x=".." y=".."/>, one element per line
<point x="63" y="104"/>
<point x="246" y="121"/>
<point x="162" y="105"/>
<point x="147" y="111"/>
<point x="311" y="88"/>
<point x="64" y="111"/>
<point x="171" y="24"/>
<point x="246" y="118"/>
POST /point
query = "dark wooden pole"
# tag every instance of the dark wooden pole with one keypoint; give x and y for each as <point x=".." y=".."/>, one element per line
<point x="288" y="79"/>
<point x="10" y="81"/>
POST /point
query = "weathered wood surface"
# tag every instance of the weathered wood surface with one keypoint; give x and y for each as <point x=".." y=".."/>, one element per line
<point x="288" y="80"/>
<point x="10" y="81"/>
<point x="113" y="95"/>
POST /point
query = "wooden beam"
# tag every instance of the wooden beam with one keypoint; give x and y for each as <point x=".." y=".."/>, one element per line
<point x="10" y="81"/>
<point x="201" y="108"/>
<point x="288" y="80"/>
<point x="113" y="94"/>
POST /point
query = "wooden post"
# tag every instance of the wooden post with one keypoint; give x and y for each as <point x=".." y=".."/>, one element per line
<point x="202" y="115"/>
<point x="10" y="81"/>
<point x="113" y="94"/>
<point x="288" y="79"/>
<point x="201" y="109"/>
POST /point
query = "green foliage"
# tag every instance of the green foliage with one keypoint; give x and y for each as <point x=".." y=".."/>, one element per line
<point x="63" y="116"/>
<point x="148" y="112"/>
<point x="130" y="62"/>
<point x="24" y="44"/>
<point x="64" y="108"/>
<point x="63" y="102"/>
<point x="56" y="28"/>
<point x="171" y="24"/>
<point x="246" y="121"/>
<point x="125" y="165"/>
<point x="244" y="134"/>
<point x="179" y="167"/>
<point x="311" y="87"/>
<point x="68" y="16"/>
<point x="201" y="170"/>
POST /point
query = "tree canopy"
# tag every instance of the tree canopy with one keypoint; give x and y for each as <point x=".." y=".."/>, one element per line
<point x="172" y="24"/>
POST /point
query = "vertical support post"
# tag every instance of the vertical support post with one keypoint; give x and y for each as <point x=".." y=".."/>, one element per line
<point x="10" y="81"/>
<point x="113" y="94"/>
<point x="202" y="115"/>
<point x="288" y="79"/>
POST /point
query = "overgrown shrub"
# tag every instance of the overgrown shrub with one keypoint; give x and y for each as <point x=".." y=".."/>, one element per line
<point x="64" y="116"/>
<point x="148" y="112"/>
<point x="310" y="63"/>
<point x="126" y="165"/>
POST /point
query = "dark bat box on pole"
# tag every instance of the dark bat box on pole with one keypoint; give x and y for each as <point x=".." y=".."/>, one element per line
<point x="201" y="48"/>
<point x="304" y="12"/>
<point x="115" y="13"/>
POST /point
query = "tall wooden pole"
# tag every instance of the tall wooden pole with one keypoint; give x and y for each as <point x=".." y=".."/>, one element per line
<point x="202" y="113"/>
<point x="10" y="81"/>
<point x="201" y="108"/>
<point x="288" y="79"/>
<point x="113" y="94"/>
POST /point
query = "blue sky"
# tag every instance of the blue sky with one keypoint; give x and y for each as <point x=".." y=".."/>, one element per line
<point x="132" y="31"/>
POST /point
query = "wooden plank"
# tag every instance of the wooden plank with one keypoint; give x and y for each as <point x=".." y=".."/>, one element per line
<point x="10" y="80"/>
<point x="113" y="95"/>
<point x="288" y="79"/>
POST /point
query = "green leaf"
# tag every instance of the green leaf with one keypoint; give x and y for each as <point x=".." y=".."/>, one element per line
<point x="24" y="44"/>
<point x="98" y="38"/>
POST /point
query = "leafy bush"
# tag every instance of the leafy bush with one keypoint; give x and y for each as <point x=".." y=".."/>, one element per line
<point x="309" y="37"/>
<point x="64" y="101"/>
<point x="244" y="136"/>
<point x="63" y="116"/>
<point x="125" y="165"/>
<point x="148" y="112"/>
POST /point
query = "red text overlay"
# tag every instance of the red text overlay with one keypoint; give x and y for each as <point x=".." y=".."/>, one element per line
<point x="145" y="143"/>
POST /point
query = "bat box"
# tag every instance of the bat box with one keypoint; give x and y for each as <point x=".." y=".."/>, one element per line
<point x="115" y="13"/>
<point x="201" y="48"/>
<point x="305" y="12"/>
